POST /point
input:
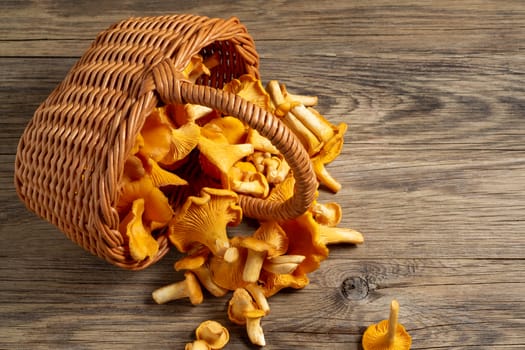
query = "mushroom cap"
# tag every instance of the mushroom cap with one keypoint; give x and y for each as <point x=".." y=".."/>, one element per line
<point x="329" y="214"/>
<point x="251" y="89"/>
<point x="213" y="333"/>
<point x="304" y="239"/>
<point x="156" y="207"/>
<point x="332" y="148"/>
<point x="240" y="304"/>
<point x="156" y="134"/>
<point x="273" y="234"/>
<point x="141" y="242"/>
<point x="387" y="334"/>
<point x="190" y="262"/>
<point x="374" y="337"/>
<point x="273" y="283"/>
<point x="255" y="244"/>
<point x="204" y="219"/>
<point x="197" y="345"/>
<point x="233" y="129"/>
<point x="260" y="143"/>
<point x="283" y="190"/>
<point x="162" y="177"/>
<point x="223" y="156"/>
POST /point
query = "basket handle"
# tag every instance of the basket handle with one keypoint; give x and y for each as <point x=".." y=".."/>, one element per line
<point x="172" y="87"/>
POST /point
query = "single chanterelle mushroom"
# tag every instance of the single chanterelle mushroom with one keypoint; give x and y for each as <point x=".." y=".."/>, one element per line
<point x="213" y="333"/>
<point x="328" y="214"/>
<point x="223" y="156"/>
<point x="204" y="219"/>
<point x="141" y="242"/>
<point x="243" y="310"/>
<point x="387" y="334"/>
<point x="189" y="288"/>
<point x="198" y="345"/>
<point x="251" y="89"/>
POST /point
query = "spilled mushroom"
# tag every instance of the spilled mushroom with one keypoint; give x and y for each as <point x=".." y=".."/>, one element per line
<point x="188" y="288"/>
<point x="387" y="334"/>
<point x="213" y="333"/>
<point x="242" y="310"/>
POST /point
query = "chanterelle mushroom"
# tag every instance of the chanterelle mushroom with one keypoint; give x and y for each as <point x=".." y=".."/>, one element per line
<point x="204" y="219"/>
<point x="328" y="214"/>
<point x="189" y="288"/>
<point x="304" y="239"/>
<point x="251" y="89"/>
<point x="213" y="333"/>
<point x="223" y="156"/>
<point x="141" y="243"/>
<point x="198" y="345"/>
<point x="243" y="310"/>
<point x="387" y="334"/>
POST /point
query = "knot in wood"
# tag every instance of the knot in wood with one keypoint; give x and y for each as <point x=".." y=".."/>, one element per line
<point x="354" y="288"/>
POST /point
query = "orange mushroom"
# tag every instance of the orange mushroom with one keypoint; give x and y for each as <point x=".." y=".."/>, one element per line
<point x="251" y="89"/>
<point x="204" y="219"/>
<point x="272" y="283"/>
<point x="229" y="274"/>
<point x="188" y="288"/>
<point x="242" y="310"/>
<point x="197" y="263"/>
<point x="283" y="109"/>
<point x="328" y="214"/>
<point x="276" y="168"/>
<point x="257" y="293"/>
<point x="223" y="156"/>
<point x="260" y="143"/>
<point x="213" y="333"/>
<point x="198" y="345"/>
<point x="232" y="128"/>
<point x="141" y="243"/>
<point x="387" y="334"/>
<point x="304" y="239"/>
<point x="269" y="240"/>
<point x="244" y="178"/>
<point x="161" y="177"/>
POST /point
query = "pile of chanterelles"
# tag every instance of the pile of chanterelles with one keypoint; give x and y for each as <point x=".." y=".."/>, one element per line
<point x="184" y="175"/>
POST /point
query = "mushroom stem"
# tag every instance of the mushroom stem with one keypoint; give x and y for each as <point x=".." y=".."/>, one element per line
<point x="392" y="321"/>
<point x="189" y="288"/>
<point x="204" y="275"/>
<point x="255" y="331"/>
<point x="336" y="235"/>
<point x="254" y="263"/>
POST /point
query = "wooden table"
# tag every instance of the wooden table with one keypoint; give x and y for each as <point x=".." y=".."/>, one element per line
<point x="433" y="174"/>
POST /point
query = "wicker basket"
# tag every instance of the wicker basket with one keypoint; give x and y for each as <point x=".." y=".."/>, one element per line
<point x="71" y="156"/>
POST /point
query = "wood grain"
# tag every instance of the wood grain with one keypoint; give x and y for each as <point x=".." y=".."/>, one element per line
<point x="433" y="174"/>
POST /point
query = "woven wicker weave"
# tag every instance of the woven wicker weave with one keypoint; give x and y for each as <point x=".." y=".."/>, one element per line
<point x="71" y="156"/>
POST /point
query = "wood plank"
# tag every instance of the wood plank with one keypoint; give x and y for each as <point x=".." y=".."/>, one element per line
<point x="433" y="175"/>
<point x="424" y="288"/>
